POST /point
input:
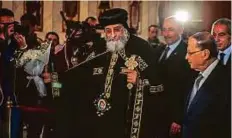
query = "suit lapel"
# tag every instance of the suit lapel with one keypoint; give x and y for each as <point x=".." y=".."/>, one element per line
<point x="228" y="63"/>
<point x="187" y="101"/>
<point x="176" y="51"/>
<point x="160" y="50"/>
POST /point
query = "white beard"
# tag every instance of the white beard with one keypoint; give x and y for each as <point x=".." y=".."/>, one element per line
<point x="117" y="45"/>
<point x="114" y="46"/>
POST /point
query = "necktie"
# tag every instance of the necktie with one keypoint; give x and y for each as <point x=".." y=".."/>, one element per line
<point x="222" y="55"/>
<point x="164" y="54"/>
<point x="195" y="88"/>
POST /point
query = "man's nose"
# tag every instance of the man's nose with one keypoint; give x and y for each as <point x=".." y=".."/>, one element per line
<point x="164" y="33"/>
<point x="216" y="38"/>
<point x="112" y="34"/>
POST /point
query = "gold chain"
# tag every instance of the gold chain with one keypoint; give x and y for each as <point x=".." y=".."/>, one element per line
<point x="109" y="76"/>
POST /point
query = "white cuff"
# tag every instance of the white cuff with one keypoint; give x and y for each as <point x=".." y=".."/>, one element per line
<point x="23" y="48"/>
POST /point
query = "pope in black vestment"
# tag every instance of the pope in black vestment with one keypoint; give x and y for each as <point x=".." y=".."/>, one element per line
<point x="116" y="94"/>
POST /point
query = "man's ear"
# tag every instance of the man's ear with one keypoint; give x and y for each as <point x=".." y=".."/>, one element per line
<point x="230" y="39"/>
<point x="206" y="54"/>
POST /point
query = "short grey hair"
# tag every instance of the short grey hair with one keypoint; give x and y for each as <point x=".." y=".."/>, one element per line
<point x="206" y="41"/>
<point x="224" y="21"/>
<point x="180" y="24"/>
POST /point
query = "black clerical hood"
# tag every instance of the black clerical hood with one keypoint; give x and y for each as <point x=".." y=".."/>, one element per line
<point x="114" y="16"/>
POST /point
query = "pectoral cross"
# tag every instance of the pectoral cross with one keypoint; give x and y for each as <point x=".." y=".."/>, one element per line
<point x="131" y="64"/>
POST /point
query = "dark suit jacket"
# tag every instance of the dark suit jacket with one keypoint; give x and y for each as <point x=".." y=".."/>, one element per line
<point x="175" y="71"/>
<point x="8" y="70"/>
<point x="208" y="115"/>
<point x="228" y="65"/>
<point x="7" y="81"/>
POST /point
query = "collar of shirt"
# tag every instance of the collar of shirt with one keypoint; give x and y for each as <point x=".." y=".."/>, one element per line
<point x="173" y="47"/>
<point x="207" y="72"/>
<point x="227" y="52"/>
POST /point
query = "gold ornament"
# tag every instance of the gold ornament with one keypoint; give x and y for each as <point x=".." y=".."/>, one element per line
<point x="131" y="63"/>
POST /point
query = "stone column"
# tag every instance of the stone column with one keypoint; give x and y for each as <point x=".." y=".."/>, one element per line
<point x="92" y="6"/>
<point x="153" y="17"/>
<point x="83" y="10"/>
<point x="7" y="4"/>
<point x="47" y="18"/>
<point x="144" y="19"/>
<point x="18" y="9"/>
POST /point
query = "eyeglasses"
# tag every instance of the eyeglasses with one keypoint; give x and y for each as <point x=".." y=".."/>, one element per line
<point x="191" y="53"/>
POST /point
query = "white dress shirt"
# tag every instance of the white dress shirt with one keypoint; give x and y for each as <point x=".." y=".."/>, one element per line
<point x="173" y="47"/>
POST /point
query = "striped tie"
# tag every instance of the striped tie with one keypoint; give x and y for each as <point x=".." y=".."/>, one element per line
<point x="164" y="55"/>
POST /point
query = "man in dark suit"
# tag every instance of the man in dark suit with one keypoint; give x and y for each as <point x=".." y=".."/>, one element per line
<point x="175" y="69"/>
<point x="10" y="41"/>
<point x="207" y="110"/>
<point x="221" y="30"/>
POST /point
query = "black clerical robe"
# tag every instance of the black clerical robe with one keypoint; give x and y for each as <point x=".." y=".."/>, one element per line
<point x="137" y="112"/>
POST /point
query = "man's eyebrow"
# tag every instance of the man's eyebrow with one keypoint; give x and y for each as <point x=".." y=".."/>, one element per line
<point x="117" y="27"/>
<point x="222" y="33"/>
<point x="168" y="28"/>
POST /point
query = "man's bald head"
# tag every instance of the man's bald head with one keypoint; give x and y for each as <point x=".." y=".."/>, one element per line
<point x="172" y="30"/>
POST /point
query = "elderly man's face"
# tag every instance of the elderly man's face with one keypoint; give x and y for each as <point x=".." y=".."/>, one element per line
<point x="221" y="36"/>
<point x="194" y="55"/>
<point x="114" y="32"/>
<point x="171" y="31"/>
<point x="116" y="37"/>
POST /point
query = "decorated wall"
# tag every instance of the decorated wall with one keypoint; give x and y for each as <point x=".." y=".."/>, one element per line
<point x="141" y="13"/>
<point x="51" y="19"/>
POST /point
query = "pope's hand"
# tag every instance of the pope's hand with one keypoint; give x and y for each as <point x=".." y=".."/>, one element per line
<point x="131" y="75"/>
